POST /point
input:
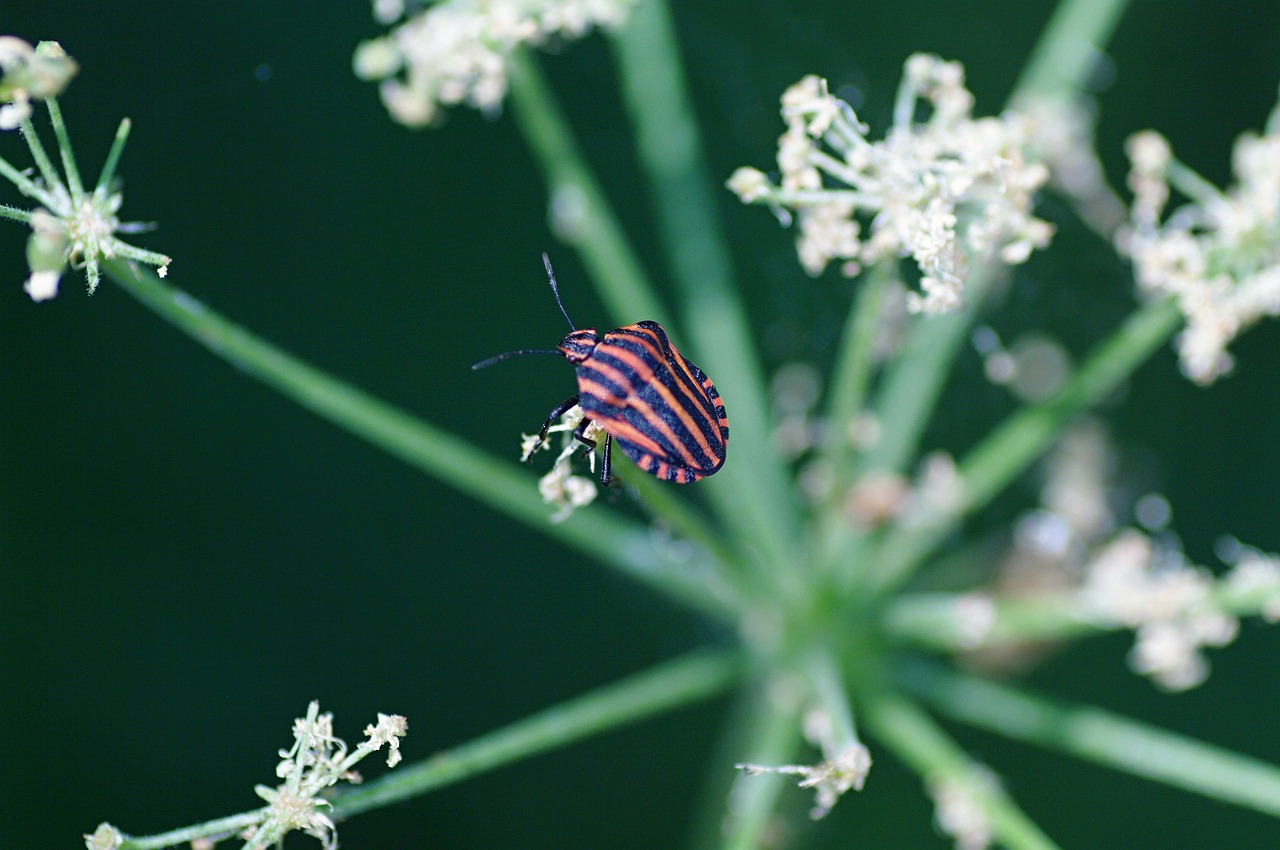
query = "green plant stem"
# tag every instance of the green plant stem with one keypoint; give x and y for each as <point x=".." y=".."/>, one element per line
<point x="215" y="829"/>
<point x="913" y="380"/>
<point x="831" y="694"/>
<point x="64" y="147"/>
<point x="15" y="214"/>
<point x="681" y="517"/>
<point x="586" y="220"/>
<point x="936" y="621"/>
<point x="852" y="375"/>
<point x="837" y="538"/>
<point x="919" y="742"/>
<point x="1022" y="438"/>
<point x="52" y="181"/>
<point x="108" y="173"/>
<point x="673" y="684"/>
<point x="595" y="530"/>
<point x="774" y="735"/>
<point x="753" y="492"/>
<point x="25" y="184"/>
<point x="1101" y="737"/>
<point x="1068" y="50"/>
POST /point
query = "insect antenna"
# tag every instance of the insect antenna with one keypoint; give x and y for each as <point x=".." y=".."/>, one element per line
<point x="509" y="354"/>
<point x="546" y="261"/>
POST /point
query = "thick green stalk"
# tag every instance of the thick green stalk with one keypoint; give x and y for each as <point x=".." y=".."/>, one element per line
<point x="595" y="530"/>
<point x="754" y="490"/>
<point x="677" y="683"/>
<point x="919" y="742"/>
<point x="1023" y="437"/>
<point x="1101" y="737"/>
<point x="581" y="214"/>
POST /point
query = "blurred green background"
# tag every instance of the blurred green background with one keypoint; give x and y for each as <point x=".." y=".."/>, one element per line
<point x="187" y="559"/>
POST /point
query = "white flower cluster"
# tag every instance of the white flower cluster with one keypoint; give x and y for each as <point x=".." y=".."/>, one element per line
<point x="316" y="761"/>
<point x="1175" y="608"/>
<point x="944" y="192"/>
<point x="1219" y="254"/>
<point x="456" y="51"/>
<point x="560" y="487"/>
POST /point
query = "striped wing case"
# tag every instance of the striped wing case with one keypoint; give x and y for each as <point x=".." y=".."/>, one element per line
<point x="660" y="409"/>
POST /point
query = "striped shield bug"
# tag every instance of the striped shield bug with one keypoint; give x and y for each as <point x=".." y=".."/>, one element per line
<point x="660" y="409"/>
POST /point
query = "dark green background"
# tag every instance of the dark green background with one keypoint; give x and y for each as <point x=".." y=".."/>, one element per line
<point x="188" y="558"/>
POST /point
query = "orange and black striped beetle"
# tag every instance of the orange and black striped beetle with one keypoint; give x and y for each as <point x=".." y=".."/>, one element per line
<point x="662" y="411"/>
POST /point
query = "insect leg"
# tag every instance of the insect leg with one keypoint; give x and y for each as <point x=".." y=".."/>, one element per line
<point x="554" y="415"/>
<point x="606" y="469"/>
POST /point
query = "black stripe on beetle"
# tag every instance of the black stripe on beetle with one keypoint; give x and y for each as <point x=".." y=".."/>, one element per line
<point x="662" y="411"/>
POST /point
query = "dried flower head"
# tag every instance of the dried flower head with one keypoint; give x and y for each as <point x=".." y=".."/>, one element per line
<point x="317" y="760"/>
<point x="456" y="51"/>
<point x="944" y="192"/>
<point x="1218" y="255"/>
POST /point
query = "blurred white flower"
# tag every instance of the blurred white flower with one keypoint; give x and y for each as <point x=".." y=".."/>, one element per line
<point x="1218" y="255"/>
<point x="1169" y="603"/>
<point x="945" y="192"/>
<point x="456" y="51"/>
<point x="30" y="73"/>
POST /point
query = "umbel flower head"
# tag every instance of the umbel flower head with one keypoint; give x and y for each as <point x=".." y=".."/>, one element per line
<point x="944" y="192"/>
<point x="456" y="52"/>
<point x="71" y="226"/>
<point x="317" y="760"/>
<point x="1219" y="254"/>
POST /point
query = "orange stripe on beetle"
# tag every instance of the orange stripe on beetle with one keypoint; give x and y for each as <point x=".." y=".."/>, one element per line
<point x="661" y="410"/>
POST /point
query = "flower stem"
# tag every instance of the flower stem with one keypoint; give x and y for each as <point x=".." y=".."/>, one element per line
<point x="935" y="620"/>
<point x="918" y="741"/>
<point x="1101" y="737"/>
<point x="581" y="214"/>
<point x="1068" y="50"/>
<point x="677" y="683"/>
<point x="774" y="735"/>
<point x="595" y="530"/>
<point x="25" y="184"/>
<point x="113" y="158"/>
<point x="15" y="214"/>
<point x="753" y="493"/>
<point x="64" y="148"/>
<point x="1022" y="438"/>
<point x="52" y="181"/>
<point x="849" y="382"/>
<point x="215" y="829"/>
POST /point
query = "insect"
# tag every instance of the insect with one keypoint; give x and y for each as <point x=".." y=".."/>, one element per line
<point x="660" y="409"/>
